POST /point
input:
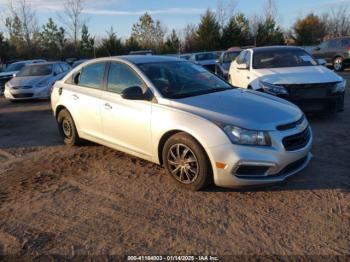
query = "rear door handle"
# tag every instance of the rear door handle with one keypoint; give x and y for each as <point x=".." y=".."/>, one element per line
<point x="108" y="106"/>
<point x="75" y="97"/>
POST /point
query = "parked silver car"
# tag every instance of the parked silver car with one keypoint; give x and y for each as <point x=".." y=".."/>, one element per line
<point x="13" y="69"/>
<point x="177" y="114"/>
<point x="35" y="81"/>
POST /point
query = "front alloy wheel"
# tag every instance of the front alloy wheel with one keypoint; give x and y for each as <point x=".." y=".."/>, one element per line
<point x="186" y="162"/>
<point x="183" y="164"/>
<point x="338" y="64"/>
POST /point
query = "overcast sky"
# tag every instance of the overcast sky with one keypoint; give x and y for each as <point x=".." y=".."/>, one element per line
<point x="122" y="14"/>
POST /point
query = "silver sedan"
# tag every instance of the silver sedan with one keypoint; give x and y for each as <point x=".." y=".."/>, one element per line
<point x="177" y="114"/>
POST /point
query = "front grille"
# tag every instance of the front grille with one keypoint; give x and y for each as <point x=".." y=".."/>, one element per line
<point x="293" y="166"/>
<point x="297" y="141"/>
<point x="24" y="95"/>
<point x="291" y="125"/>
<point x="310" y="91"/>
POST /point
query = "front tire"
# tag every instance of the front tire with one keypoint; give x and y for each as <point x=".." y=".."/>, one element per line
<point x="186" y="162"/>
<point x="338" y="64"/>
<point x="67" y="128"/>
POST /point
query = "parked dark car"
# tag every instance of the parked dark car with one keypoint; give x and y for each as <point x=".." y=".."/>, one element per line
<point x="335" y="51"/>
<point x="205" y="59"/>
<point x="223" y="64"/>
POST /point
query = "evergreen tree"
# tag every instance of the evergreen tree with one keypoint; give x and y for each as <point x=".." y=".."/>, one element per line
<point x="208" y="32"/>
<point x="87" y="43"/>
<point x="172" y="44"/>
<point x="148" y="33"/>
<point x="111" y="46"/>
<point x="52" y="40"/>
<point x="269" y="33"/>
<point x="236" y="32"/>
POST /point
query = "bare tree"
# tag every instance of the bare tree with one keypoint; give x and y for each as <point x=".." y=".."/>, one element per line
<point x="337" y="21"/>
<point x="21" y="10"/>
<point x="72" y="18"/>
<point x="225" y="9"/>
<point x="270" y="10"/>
<point x="254" y="22"/>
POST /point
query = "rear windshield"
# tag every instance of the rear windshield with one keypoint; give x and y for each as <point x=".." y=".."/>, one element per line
<point x="36" y="70"/>
<point x="282" y="58"/>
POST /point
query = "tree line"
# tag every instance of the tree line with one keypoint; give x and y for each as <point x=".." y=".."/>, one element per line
<point x="217" y="30"/>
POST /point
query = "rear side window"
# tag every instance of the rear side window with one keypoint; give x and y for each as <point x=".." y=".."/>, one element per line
<point x="120" y="77"/>
<point x="240" y="58"/>
<point x="65" y="67"/>
<point x="92" y="76"/>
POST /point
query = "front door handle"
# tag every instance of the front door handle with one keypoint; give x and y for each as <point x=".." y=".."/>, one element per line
<point x="108" y="106"/>
<point x="75" y="97"/>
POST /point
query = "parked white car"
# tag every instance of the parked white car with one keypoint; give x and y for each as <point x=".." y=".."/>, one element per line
<point x="290" y="73"/>
<point x="177" y="114"/>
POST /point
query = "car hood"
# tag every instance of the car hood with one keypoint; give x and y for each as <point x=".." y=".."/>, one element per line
<point x="297" y="75"/>
<point x="8" y="73"/>
<point x="241" y="107"/>
<point x="27" y="80"/>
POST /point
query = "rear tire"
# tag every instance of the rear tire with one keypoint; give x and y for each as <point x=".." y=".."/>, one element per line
<point x="67" y="128"/>
<point x="186" y="162"/>
<point x="338" y="64"/>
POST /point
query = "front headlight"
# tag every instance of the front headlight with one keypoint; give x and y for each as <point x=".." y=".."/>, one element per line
<point x="42" y="83"/>
<point x="340" y="87"/>
<point x="247" y="137"/>
<point x="273" y="89"/>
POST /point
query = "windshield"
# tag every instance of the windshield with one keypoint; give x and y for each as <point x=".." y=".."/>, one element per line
<point x="206" y="56"/>
<point x="230" y="56"/>
<point x="36" y="70"/>
<point x="15" y="67"/>
<point x="282" y="58"/>
<point x="181" y="79"/>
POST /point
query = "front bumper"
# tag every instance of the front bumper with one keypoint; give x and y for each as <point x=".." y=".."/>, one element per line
<point x="329" y="104"/>
<point x="278" y="163"/>
<point x="27" y="94"/>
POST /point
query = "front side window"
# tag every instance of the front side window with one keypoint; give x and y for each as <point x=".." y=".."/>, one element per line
<point x="35" y="70"/>
<point x="120" y="77"/>
<point x="92" y="75"/>
<point x="15" y="67"/>
<point x="230" y="56"/>
<point x="180" y="79"/>
<point x="240" y="58"/>
<point x="278" y="58"/>
<point x="247" y="59"/>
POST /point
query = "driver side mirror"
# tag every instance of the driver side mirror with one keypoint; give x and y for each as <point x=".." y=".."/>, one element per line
<point x="133" y="93"/>
<point x="242" y="66"/>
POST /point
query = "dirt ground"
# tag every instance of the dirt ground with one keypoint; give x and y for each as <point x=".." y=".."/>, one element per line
<point x="56" y="199"/>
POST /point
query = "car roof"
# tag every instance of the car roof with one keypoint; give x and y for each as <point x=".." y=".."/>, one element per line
<point x="143" y="59"/>
<point x="274" y="48"/>
<point x="47" y="63"/>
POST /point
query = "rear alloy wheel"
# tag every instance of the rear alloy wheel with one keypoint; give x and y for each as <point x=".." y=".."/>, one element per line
<point x="67" y="128"/>
<point x="186" y="162"/>
<point x="338" y="64"/>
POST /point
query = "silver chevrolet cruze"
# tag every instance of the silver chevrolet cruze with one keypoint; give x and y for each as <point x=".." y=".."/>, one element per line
<point x="179" y="115"/>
